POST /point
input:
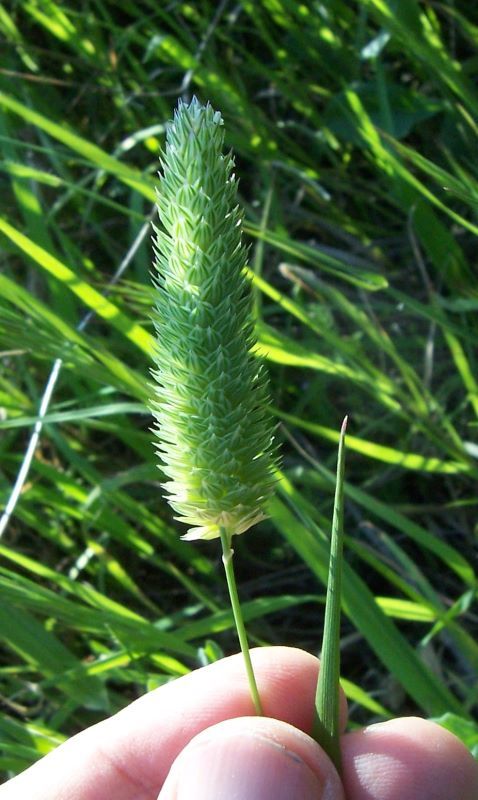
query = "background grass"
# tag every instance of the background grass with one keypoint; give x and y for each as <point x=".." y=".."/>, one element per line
<point x="355" y="129"/>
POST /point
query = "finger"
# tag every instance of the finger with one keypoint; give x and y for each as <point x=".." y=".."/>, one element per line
<point x="130" y="754"/>
<point x="410" y="758"/>
<point x="252" y="758"/>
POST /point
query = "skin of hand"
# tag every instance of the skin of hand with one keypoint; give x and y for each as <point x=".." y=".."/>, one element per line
<point x="195" y="738"/>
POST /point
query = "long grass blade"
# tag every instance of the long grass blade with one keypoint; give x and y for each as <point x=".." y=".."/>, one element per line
<point x="326" y="724"/>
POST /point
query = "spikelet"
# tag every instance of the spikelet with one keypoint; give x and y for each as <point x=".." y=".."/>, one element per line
<point x="215" y="433"/>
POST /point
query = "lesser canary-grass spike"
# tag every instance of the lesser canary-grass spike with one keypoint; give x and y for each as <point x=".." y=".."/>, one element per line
<point x="215" y="434"/>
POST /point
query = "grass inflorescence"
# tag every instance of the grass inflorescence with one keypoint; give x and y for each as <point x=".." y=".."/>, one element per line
<point x="213" y="416"/>
<point x="215" y="432"/>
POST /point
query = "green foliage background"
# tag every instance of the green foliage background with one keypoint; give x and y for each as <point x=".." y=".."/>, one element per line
<point x="355" y="129"/>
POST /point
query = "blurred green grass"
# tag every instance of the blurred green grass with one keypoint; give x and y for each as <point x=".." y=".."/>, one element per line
<point x="355" y="128"/>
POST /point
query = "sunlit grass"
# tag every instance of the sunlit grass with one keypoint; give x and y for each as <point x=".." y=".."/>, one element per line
<point x="355" y="132"/>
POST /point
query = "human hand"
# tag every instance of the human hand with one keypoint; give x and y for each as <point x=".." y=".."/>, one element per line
<point x="193" y="739"/>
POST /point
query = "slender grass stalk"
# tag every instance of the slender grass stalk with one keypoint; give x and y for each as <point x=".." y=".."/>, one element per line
<point x="326" y="725"/>
<point x="214" y="430"/>
<point x="227" y="554"/>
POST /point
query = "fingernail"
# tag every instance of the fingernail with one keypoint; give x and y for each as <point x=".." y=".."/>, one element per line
<point x="245" y="765"/>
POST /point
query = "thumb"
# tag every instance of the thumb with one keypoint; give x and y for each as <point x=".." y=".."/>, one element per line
<point x="252" y="758"/>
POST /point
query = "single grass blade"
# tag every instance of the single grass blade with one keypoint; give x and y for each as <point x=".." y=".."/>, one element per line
<point x="326" y="724"/>
<point x="391" y="648"/>
<point x="94" y="154"/>
<point x="379" y="452"/>
<point x="365" y="279"/>
<point x="93" y="299"/>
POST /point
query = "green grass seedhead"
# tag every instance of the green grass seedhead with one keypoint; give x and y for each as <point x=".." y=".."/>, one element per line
<point x="214" y="430"/>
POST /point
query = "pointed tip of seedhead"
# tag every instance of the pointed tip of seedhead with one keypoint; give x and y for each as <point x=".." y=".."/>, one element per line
<point x="344" y="425"/>
<point x="192" y="117"/>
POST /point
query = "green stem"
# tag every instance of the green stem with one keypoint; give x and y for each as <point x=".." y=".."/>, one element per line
<point x="227" y="553"/>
